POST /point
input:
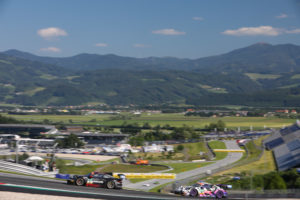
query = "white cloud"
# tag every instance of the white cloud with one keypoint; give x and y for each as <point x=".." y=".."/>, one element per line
<point x="141" y="46"/>
<point x="51" y="32"/>
<point x="253" y="31"/>
<point x="294" y="31"/>
<point x="51" y="49"/>
<point x="168" y="32"/>
<point x="198" y="18"/>
<point x="260" y="30"/>
<point x="282" y="16"/>
<point x="101" y="45"/>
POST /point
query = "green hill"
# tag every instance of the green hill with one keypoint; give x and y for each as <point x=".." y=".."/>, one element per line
<point x="258" y="75"/>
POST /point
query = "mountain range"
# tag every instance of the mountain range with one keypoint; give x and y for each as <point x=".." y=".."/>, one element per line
<point x="258" y="75"/>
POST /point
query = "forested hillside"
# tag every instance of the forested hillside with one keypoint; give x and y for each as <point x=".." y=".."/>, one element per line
<point x="258" y="75"/>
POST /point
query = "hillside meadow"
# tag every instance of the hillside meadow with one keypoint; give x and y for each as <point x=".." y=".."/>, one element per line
<point x="174" y="120"/>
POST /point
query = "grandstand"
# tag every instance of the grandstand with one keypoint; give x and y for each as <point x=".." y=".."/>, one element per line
<point x="34" y="130"/>
<point x="285" y="144"/>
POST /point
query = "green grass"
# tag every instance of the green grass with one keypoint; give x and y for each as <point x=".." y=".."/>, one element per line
<point x="131" y="168"/>
<point x="5" y="62"/>
<point x="182" y="167"/>
<point x="296" y="76"/>
<point x="85" y="169"/>
<point x="136" y="180"/>
<point x="193" y="153"/>
<point x="255" y="76"/>
<point x="175" y="120"/>
<point x="194" y="149"/>
<point x="33" y="91"/>
<point x="158" y="156"/>
<point x="80" y="170"/>
<point x="212" y="89"/>
<point x="48" y="77"/>
<point x="289" y="86"/>
<point x="157" y="189"/>
<point x="62" y="118"/>
<point x="261" y="166"/>
<point x="218" y="145"/>
<point x="72" y="77"/>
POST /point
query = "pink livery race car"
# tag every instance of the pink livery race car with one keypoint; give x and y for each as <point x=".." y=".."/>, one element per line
<point x="201" y="189"/>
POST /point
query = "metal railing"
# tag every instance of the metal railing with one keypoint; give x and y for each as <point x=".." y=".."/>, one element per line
<point x="14" y="167"/>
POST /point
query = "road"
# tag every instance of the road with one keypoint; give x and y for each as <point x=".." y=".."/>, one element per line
<point x="36" y="185"/>
<point x="231" y="158"/>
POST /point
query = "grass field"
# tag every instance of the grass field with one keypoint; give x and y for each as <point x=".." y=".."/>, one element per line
<point x="193" y="150"/>
<point x="85" y="169"/>
<point x="157" y="189"/>
<point x="84" y="119"/>
<point x="218" y="145"/>
<point x="264" y="165"/>
<point x="255" y="76"/>
<point x="296" y="76"/>
<point x="131" y="168"/>
<point x="80" y="170"/>
<point x="175" y="120"/>
<point x="182" y="167"/>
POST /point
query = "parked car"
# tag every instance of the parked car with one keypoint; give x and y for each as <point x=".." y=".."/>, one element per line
<point x="95" y="179"/>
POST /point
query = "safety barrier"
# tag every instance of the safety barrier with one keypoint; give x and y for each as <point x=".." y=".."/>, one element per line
<point x="147" y="175"/>
<point x="62" y="176"/>
<point x="14" y="167"/>
<point x="230" y="150"/>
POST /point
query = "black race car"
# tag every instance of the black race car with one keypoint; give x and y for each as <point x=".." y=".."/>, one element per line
<point x="97" y="180"/>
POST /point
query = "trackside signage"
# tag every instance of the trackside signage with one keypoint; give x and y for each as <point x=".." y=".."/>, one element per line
<point x="146" y="175"/>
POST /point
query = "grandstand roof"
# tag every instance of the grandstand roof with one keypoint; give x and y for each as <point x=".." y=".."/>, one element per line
<point x="286" y="146"/>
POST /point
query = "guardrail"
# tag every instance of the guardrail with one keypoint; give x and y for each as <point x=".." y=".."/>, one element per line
<point x="14" y="167"/>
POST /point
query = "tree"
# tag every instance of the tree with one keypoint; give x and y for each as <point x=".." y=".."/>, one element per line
<point x="72" y="141"/>
<point x="24" y="156"/>
<point x="137" y="141"/>
<point x="220" y="126"/>
<point x="297" y="183"/>
<point x="146" y="126"/>
<point x="273" y="181"/>
<point x="180" y="147"/>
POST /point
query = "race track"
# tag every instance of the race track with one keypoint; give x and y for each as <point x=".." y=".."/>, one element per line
<point x="230" y="158"/>
<point x="35" y="185"/>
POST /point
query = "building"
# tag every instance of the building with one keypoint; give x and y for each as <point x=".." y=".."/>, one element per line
<point x="101" y="138"/>
<point x="74" y="129"/>
<point x="33" y="129"/>
<point x="286" y="146"/>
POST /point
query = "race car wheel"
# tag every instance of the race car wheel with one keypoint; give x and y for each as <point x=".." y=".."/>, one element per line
<point x="193" y="192"/>
<point x="110" y="185"/>
<point x="219" y="194"/>
<point x="80" y="182"/>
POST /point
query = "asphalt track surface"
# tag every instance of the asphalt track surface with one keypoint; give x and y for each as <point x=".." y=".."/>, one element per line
<point x="35" y="185"/>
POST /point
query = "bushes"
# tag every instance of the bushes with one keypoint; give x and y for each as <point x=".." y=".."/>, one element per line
<point x="273" y="181"/>
<point x="270" y="181"/>
<point x="72" y="141"/>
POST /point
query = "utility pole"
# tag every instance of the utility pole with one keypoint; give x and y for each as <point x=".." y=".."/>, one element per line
<point x="251" y="183"/>
<point x="17" y="151"/>
<point x="36" y="147"/>
<point x="53" y="153"/>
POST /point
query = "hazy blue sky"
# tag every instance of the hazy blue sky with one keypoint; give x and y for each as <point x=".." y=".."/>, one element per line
<point x="142" y="28"/>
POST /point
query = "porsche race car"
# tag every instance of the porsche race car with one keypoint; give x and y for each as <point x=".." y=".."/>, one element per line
<point x="201" y="189"/>
<point x="97" y="180"/>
